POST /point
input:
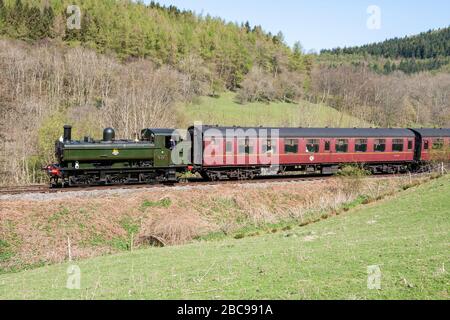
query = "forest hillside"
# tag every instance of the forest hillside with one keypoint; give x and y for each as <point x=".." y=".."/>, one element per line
<point x="131" y="65"/>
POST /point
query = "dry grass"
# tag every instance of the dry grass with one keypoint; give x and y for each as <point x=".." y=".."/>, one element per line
<point x="36" y="233"/>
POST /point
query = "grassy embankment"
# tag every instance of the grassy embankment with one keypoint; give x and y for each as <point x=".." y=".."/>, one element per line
<point x="226" y="111"/>
<point x="406" y="235"/>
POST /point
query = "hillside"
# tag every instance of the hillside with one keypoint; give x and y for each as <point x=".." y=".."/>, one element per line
<point x="221" y="52"/>
<point x="426" y="45"/>
<point x="131" y="66"/>
<point x="406" y="236"/>
<point x="227" y="112"/>
<point x="423" y="52"/>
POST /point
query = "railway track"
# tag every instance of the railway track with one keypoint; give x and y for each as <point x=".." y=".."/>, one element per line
<point x="41" y="188"/>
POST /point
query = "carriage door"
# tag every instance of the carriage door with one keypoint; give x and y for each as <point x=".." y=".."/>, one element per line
<point x="327" y="151"/>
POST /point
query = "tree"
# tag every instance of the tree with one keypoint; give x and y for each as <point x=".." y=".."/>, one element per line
<point x="279" y="38"/>
<point x="296" y="60"/>
<point x="387" y="67"/>
<point x="16" y="20"/>
<point x="48" y="19"/>
<point x="2" y="8"/>
<point x="247" y="27"/>
<point x="229" y="50"/>
<point x="297" y="49"/>
<point x="34" y="23"/>
<point x="2" y="16"/>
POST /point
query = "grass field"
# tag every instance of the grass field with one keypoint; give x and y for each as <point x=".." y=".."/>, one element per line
<point x="225" y="111"/>
<point x="407" y="236"/>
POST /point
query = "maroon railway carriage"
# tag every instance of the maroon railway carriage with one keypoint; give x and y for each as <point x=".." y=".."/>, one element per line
<point x="324" y="150"/>
<point x="428" y="140"/>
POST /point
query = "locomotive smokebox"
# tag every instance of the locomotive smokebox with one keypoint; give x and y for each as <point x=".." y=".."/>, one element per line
<point x="67" y="133"/>
<point x="109" y="135"/>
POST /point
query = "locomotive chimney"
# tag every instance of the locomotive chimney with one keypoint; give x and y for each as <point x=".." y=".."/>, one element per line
<point x="67" y="133"/>
<point x="109" y="135"/>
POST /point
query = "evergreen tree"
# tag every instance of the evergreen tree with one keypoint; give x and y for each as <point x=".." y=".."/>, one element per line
<point x="387" y="67"/>
<point x="248" y="27"/>
<point x="16" y="21"/>
<point x="2" y="12"/>
<point x="34" y="23"/>
<point x="48" y="18"/>
<point x="2" y="18"/>
<point x="228" y="50"/>
<point x="426" y="45"/>
<point x="296" y="60"/>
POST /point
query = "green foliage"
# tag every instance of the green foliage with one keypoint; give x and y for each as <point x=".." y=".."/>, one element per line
<point x="363" y="199"/>
<point x="353" y="171"/>
<point x="63" y="212"/>
<point x="424" y="52"/>
<point x="426" y="45"/>
<point x="130" y="225"/>
<point x="35" y="164"/>
<point x="163" y="203"/>
<point x="2" y="13"/>
<point x="48" y="133"/>
<point x="440" y="153"/>
<point x="25" y="20"/>
<point x="5" y="251"/>
<point x="165" y="35"/>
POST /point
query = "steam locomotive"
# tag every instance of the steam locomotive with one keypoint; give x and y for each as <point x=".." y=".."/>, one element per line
<point x="222" y="153"/>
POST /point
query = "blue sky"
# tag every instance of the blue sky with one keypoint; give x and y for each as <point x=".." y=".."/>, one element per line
<point x="327" y="23"/>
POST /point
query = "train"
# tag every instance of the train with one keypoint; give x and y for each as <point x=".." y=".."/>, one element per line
<point x="240" y="153"/>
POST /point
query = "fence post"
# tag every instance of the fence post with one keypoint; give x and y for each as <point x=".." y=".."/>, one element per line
<point x="69" y="249"/>
<point x="132" y="241"/>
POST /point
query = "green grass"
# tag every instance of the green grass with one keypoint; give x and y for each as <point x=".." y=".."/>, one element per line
<point x="407" y="236"/>
<point x="225" y="111"/>
<point x="163" y="203"/>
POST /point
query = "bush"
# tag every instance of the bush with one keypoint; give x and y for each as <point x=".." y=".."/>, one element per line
<point x="257" y="86"/>
<point x="263" y="87"/>
<point x="353" y="171"/>
<point x="440" y="155"/>
<point x="352" y="178"/>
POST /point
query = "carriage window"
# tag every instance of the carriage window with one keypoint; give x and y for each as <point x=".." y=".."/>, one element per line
<point x="246" y="148"/>
<point x="312" y="146"/>
<point x="379" y="145"/>
<point x="410" y="144"/>
<point x="268" y="147"/>
<point x="291" y="145"/>
<point x="361" y="145"/>
<point x="397" y="145"/>
<point x="229" y="146"/>
<point x="342" y="145"/>
<point x="438" y="144"/>
<point x="327" y="145"/>
<point x="426" y="145"/>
